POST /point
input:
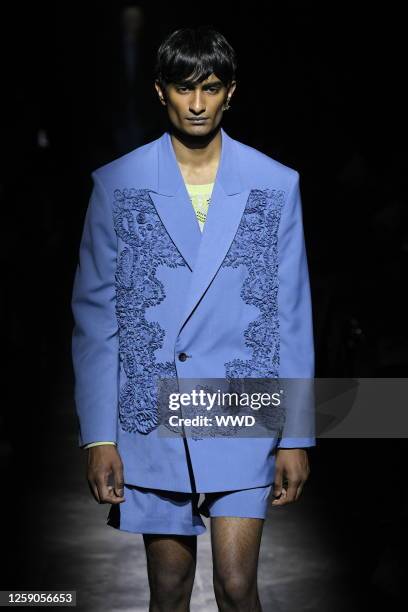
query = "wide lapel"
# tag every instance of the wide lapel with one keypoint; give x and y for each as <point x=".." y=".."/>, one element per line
<point x="227" y="205"/>
<point x="173" y="204"/>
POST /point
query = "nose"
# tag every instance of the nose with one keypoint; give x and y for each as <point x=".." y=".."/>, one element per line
<point x="197" y="105"/>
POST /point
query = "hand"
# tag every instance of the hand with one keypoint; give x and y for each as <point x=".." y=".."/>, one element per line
<point x="104" y="460"/>
<point x="292" y="466"/>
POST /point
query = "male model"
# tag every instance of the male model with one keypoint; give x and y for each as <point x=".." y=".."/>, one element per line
<point x="192" y="266"/>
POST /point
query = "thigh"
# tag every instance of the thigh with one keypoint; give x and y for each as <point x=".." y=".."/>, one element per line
<point x="235" y="547"/>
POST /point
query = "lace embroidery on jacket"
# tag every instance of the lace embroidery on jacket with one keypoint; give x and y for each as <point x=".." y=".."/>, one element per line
<point x="148" y="245"/>
<point x="256" y="247"/>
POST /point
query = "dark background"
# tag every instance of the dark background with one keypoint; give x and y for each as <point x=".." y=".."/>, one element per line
<point x="320" y="90"/>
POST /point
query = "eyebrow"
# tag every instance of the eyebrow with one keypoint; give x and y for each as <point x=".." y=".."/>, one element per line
<point x="190" y="84"/>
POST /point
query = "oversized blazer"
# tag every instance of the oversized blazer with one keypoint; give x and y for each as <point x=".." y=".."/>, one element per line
<point x="154" y="298"/>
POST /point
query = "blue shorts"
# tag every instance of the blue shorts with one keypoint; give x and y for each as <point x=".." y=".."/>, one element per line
<point x="170" y="512"/>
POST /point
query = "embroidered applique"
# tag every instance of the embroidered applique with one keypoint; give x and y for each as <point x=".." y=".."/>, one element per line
<point x="256" y="246"/>
<point x="148" y="246"/>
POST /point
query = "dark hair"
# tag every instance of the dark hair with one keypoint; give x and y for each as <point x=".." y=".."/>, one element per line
<point x="195" y="53"/>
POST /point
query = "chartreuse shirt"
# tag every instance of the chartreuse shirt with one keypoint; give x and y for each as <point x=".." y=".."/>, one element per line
<point x="200" y="196"/>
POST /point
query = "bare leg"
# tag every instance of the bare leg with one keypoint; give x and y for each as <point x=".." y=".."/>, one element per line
<point x="235" y="548"/>
<point x="171" y="563"/>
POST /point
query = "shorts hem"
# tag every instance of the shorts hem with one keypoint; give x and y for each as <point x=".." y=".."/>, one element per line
<point x="246" y="515"/>
<point x="158" y="527"/>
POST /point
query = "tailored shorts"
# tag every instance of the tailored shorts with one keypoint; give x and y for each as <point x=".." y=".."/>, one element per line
<point x="170" y="512"/>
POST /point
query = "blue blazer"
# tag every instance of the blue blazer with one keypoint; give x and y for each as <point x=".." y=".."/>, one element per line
<point x="150" y="286"/>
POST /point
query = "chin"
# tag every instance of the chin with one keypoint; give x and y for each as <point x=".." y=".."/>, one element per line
<point x="200" y="130"/>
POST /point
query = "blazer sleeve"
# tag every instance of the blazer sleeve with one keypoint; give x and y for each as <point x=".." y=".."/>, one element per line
<point x="95" y="346"/>
<point x="296" y="326"/>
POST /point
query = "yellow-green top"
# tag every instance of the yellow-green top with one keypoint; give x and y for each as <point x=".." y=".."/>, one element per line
<point x="200" y="196"/>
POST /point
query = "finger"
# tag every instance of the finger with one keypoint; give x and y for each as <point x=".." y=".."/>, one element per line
<point x="119" y="485"/>
<point x="292" y="490"/>
<point x="302" y="484"/>
<point x="113" y="498"/>
<point x="299" y="491"/>
<point x="281" y="500"/>
<point x="291" y="494"/>
<point x="277" y="483"/>
<point x="103" y="487"/>
<point x="106" y="493"/>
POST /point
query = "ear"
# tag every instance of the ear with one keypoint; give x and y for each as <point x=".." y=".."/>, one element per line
<point x="231" y="89"/>
<point x="160" y="92"/>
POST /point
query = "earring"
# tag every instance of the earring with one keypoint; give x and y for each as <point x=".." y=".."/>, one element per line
<point x="227" y="105"/>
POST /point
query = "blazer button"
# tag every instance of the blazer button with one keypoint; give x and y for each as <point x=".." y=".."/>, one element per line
<point x="182" y="356"/>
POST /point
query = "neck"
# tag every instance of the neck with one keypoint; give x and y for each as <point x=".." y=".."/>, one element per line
<point x="197" y="152"/>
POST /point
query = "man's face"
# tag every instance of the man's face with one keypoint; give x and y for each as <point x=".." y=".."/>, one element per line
<point x="196" y="109"/>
